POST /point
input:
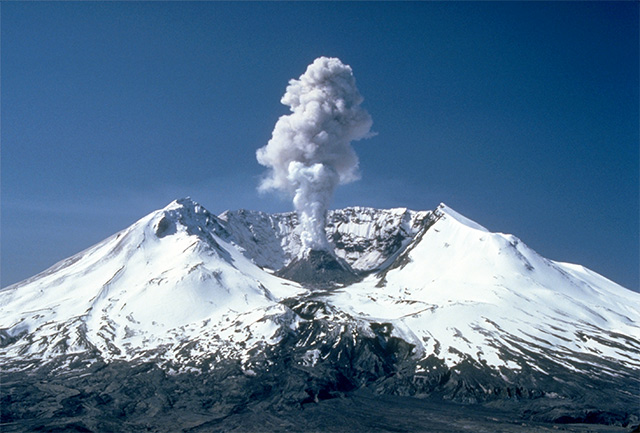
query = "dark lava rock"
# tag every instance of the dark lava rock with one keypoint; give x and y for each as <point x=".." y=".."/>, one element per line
<point x="319" y="269"/>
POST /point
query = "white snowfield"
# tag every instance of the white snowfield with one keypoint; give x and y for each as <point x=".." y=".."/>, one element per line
<point x="467" y="292"/>
<point x="181" y="283"/>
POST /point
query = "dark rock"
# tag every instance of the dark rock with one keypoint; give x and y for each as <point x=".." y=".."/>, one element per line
<point x="319" y="269"/>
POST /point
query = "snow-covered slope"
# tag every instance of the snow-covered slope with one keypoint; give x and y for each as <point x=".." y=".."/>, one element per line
<point x="462" y="292"/>
<point x="165" y="280"/>
<point x="441" y="299"/>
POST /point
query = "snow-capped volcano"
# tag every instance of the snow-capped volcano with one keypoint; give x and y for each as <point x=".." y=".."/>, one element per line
<point x="434" y="303"/>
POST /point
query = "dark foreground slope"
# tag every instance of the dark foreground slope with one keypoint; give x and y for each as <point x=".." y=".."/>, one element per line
<point x="120" y="397"/>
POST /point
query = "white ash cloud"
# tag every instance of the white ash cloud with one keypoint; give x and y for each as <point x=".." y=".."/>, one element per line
<point x="310" y="151"/>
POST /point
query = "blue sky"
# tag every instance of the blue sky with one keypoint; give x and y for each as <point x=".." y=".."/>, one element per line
<point x="521" y="116"/>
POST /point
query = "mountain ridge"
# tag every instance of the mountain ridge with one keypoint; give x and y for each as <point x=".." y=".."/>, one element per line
<point x="442" y="307"/>
<point x="214" y="248"/>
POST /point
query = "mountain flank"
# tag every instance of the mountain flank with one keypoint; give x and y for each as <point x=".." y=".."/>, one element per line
<point x="188" y="321"/>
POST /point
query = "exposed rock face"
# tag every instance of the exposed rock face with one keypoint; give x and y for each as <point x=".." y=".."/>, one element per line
<point x="367" y="239"/>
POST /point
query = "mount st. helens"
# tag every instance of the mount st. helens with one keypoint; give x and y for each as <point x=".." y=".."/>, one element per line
<point x="421" y="304"/>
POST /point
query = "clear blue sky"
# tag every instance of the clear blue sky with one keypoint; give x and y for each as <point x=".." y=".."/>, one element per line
<point x="521" y="116"/>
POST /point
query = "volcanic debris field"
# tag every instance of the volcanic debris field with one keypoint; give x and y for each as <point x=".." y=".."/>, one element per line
<point x="365" y="392"/>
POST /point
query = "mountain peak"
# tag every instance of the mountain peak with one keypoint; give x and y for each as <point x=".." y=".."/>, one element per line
<point x="443" y="209"/>
<point x="182" y="212"/>
<point x="185" y="203"/>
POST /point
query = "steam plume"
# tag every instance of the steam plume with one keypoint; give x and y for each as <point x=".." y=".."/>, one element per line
<point x="310" y="151"/>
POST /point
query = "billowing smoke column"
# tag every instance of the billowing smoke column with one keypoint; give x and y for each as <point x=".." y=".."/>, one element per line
<point x="310" y="153"/>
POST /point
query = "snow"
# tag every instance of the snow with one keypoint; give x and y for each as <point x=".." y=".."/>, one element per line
<point x="459" y="275"/>
<point x="191" y="284"/>
<point x="136" y="289"/>
<point x="273" y="241"/>
<point x="448" y="212"/>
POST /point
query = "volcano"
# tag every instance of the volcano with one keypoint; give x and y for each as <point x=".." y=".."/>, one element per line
<point x="188" y="321"/>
